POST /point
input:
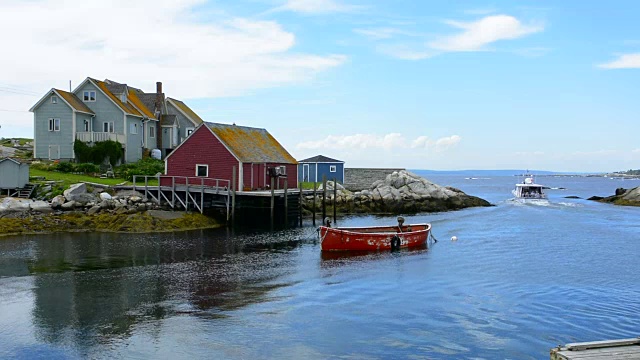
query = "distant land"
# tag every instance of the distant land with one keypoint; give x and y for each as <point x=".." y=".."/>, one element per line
<point x="482" y="173"/>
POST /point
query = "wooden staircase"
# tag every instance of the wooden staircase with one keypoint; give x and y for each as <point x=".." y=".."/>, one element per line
<point x="25" y="192"/>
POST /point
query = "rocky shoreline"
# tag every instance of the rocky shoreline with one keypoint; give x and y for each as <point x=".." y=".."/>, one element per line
<point x="79" y="210"/>
<point x="622" y="196"/>
<point x="401" y="192"/>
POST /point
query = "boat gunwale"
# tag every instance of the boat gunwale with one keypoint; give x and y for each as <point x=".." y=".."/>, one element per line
<point x="343" y="230"/>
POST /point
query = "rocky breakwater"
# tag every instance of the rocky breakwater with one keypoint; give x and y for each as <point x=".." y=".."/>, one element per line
<point x="401" y="192"/>
<point x="622" y="196"/>
<point x="80" y="210"/>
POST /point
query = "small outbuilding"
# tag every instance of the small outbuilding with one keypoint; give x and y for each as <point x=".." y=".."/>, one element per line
<point x="213" y="150"/>
<point x="13" y="174"/>
<point x="314" y="168"/>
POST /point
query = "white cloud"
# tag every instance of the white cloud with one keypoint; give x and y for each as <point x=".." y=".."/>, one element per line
<point x="405" y="52"/>
<point x="636" y="151"/>
<point x="478" y="34"/>
<point x="445" y="143"/>
<point x="195" y="53"/>
<point x="625" y="61"/>
<point x="316" y="6"/>
<point x="389" y="141"/>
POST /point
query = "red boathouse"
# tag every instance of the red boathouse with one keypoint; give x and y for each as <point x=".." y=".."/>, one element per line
<point x="213" y="150"/>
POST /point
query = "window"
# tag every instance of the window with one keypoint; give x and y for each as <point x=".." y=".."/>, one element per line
<point x="89" y="96"/>
<point x="86" y="125"/>
<point x="134" y="128"/>
<point x="54" y="99"/>
<point x="202" y="170"/>
<point x="54" y="124"/>
<point x="189" y="131"/>
<point x="332" y="168"/>
<point x="152" y="131"/>
<point x="283" y="170"/>
<point x="107" y="127"/>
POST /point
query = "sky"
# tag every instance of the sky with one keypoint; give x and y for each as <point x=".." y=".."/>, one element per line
<point x="440" y="85"/>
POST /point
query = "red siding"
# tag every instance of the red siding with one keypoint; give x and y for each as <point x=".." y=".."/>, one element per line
<point x="202" y="147"/>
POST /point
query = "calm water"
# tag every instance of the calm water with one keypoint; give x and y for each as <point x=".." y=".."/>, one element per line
<point x="519" y="280"/>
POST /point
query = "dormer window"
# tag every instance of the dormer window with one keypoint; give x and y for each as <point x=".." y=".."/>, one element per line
<point x="54" y="99"/>
<point x="89" y="96"/>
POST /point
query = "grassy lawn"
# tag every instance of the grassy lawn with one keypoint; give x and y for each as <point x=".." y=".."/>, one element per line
<point x="68" y="179"/>
<point x="73" y="178"/>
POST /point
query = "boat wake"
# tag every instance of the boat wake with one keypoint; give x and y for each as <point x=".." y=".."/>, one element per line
<point x="543" y="203"/>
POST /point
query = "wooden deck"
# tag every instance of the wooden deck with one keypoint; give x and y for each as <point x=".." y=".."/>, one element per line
<point x="608" y="349"/>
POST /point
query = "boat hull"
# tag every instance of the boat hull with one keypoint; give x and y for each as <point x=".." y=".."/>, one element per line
<point x="373" y="238"/>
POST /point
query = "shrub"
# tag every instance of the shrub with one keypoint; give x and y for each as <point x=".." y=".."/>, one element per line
<point x="65" y="167"/>
<point x="146" y="166"/>
<point x="99" y="152"/>
<point x="87" y="168"/>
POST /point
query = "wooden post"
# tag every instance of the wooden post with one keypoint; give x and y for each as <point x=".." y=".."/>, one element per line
<point x="300" y="202"/>
<point x="233" y="196"/>
<point x="313" y="208"/>
<point x="335" y="199"/>
<point x="286" y="205"/>
<point x="273" y="201"/>
<point x="324" y="198"/>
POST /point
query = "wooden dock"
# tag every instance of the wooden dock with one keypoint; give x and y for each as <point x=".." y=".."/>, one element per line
<point x="275" y="206"/>
<point x="608" y="349"/>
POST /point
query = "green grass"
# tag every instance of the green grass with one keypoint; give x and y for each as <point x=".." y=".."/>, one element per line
<point x="73" y="178"/>
<point x="68" y="179"/>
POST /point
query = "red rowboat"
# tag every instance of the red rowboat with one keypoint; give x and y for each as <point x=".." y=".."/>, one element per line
<point x="374" y="237"/>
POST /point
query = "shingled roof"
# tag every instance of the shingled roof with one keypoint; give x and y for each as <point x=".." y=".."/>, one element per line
<point x="73" y="101"/>
<point x="186" y="110"/>
<point x="69" y="98"/>
<point x="251" y="145"/>
<point x="320" y="159"/>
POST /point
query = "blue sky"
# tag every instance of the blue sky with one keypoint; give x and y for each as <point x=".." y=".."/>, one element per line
<point x="440" y="85"/>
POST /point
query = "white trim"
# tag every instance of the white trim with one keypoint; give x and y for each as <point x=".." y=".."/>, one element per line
<point x="95" y="96"/>
<point x="308" y="171"/>
<point x="54" y="146"/>
<point x="171" y="101"/>
<point x="316" y="172"/>
<point x="110" y="125"/>
<point x="52" y="124"/>
<point x="44" y="98"/>
<point x="214" y="134"/>
<point x="240" y="177"/>
<point x="73" y="133"/>
<point x="206" y="165"/>
<point x="103" y="93"/>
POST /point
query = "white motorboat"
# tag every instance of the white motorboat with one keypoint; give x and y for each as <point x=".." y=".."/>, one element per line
<point x="528" y="190"/>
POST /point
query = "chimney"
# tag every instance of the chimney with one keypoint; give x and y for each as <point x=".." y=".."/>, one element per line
<point x="159" y="99"/>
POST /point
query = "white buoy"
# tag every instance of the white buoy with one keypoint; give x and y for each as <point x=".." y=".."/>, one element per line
<point x="454" y="238"/>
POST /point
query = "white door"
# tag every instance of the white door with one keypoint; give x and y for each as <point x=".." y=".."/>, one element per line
<point x="54" y="152"/>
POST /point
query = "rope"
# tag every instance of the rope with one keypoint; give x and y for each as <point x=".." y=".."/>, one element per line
<point x="432" y="237"/>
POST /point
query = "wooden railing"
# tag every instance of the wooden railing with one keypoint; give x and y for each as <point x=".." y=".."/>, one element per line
<point x="190" y="184"/>
<point x="99" y="136"/>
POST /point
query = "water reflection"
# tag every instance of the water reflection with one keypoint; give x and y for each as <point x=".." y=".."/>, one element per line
<point x="94" y="287"/>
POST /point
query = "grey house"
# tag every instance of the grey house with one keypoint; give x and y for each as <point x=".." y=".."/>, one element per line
<point x="314" y="168"/>
<point x="104" y="110"/>
<point x="13" y="174"/>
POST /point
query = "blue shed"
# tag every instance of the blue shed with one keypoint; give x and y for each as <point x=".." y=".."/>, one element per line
<point x="312" y="169"/>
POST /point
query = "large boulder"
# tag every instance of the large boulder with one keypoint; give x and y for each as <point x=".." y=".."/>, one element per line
<point x="57" y="201"/>
<point x="405" y="192"/>
<point x="622" y="196"/>
<point x="75" y="190"/>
